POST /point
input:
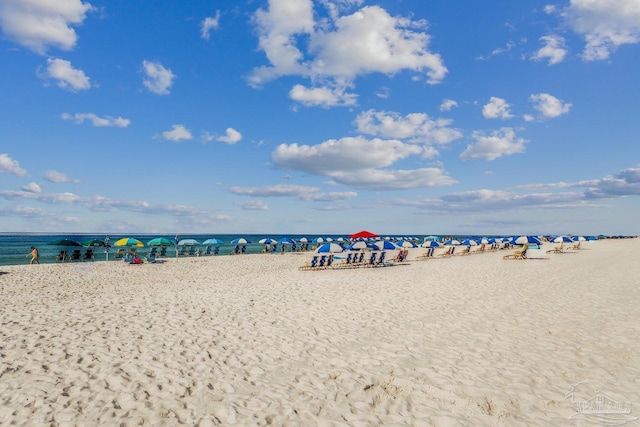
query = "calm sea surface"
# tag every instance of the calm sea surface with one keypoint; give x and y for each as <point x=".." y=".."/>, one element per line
<point x="14" y="248"/>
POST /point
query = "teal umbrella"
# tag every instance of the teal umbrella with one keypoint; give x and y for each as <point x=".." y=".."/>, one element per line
<point x="160" y="241"/>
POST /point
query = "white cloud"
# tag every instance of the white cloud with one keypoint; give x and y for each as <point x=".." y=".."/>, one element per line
<point x="605" y="25"/>
<point x="322" y="96"/>
<point x="415" y="127"/>
<point x="177" y="133"/>
<point x="231" y="136"/>
<point x="549" y="106"/>
<point x="158" y="78"/>
<point x="385" y="179"/>
<point x="32" y="187"/>
<point x="499" y="143"/>
<point x="252" y="205"/>
<point x="97" y="121"/>
<point x="209" y="24"/>
<point x="448" y="104"/>
<point x="301" y="192"/>
<point x="40" y="24"/>
<point x="51" y="198"/>
<point x="66" y="76"/>
<point x="7" y="164"/>
<point x="367" y="41"/>
<point x="57" y="177"/>
<point x="345" y="154"/>
<point x="497" y="108"/>
<point x="624" y="183"/>
<point x="553" y="50"/>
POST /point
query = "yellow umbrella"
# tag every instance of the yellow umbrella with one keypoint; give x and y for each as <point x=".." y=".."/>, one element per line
<point x="128" y="241"/>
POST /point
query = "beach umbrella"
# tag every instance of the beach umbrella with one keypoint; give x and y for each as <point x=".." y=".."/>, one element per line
<point x="452" y="242"/>
<point x="240" y="241"/>
<point x="318" y="240"/>
<point x="591" y="238"/>
<point x="212" y="241"/>
<point x="129" y="241"/>
<point x="364" y="234"/>
<point x="286" y="241"/>
<point x="303" y="240"/>
<point x="360" y="245"/>
<point x="267" y="241"/>
<point x="521" y="240"/>
<point x="579" y="239"/>
<point x="406" y="244"/>
<point x="430" y="244"/>
<point x="340" y="239"/>
<point x="160" y="241"/>
<point x="93" y="242"/>
<point x="65" y="242"/>
<point x="469" y="242"/>
<point x="436" y="238"/>
<point x="329" y="248"/>
<point x="188" y="242"/>
<point x="385" y="245"/>
<point x="328" y="239"/>
<point x="562" y="239"/>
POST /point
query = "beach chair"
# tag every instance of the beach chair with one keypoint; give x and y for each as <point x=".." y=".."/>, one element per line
<point x="372" y="259"/>
<point x="119" y="255"/>
<point x="381" y="260"/>
<point x="345" y="262"/>
<point x="358" y="259"/>
<point x="322" y="261"/>
<point x="311" y="264"/>
<point x="128" y="258"/>
<point x="427" y="255"/>
<point x="521" y="254"/>
<point x="76" y="255"/>
<point x="163" y="251"/>
<point x="329" y="261"/>
<point x="62" y="256"/>
<point x="88" y="255"/>
<point x="556" y="250"/>
<point x="192" y="252"/>
<point x="449" y="252"/>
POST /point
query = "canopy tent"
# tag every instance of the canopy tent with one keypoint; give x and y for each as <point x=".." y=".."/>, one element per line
<point x="363" y="234"/>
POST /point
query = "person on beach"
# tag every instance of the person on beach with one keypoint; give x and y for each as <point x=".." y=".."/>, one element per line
<point x="35" y="256"/>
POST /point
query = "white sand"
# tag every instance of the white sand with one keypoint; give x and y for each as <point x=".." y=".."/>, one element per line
<point x="251" y="340"/>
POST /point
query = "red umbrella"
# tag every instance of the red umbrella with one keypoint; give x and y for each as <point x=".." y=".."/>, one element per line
<point x="363" y="234"/>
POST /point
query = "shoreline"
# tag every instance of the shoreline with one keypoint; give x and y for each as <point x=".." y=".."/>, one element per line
<point x="252" y="340"/>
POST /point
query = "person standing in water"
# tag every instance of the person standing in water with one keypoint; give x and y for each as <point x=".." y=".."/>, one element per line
<point x="35" y="256"/>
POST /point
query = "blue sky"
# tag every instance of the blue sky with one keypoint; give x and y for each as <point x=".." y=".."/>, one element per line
<point x="326" y="116"/>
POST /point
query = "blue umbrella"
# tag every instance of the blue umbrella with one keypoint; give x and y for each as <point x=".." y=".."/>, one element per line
<point x="329" y="248"/>
<point x="361" y="244"/>
<point x="406" y="244"/>
<point x="214" y="241"/>
<point x="430" y="244"/>
<point x="240" y="241"/>
<point x="562" y="239"/>
<point x="286" y="241"/>
<point x="452" y="242"/>
<point x="521" y="240"/>
<point x="469" y="242"/>
<point x="267" y="241"/>
<point x="385" y="245"/>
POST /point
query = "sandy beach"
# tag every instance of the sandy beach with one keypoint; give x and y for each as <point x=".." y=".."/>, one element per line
<point x="252" y="340"/>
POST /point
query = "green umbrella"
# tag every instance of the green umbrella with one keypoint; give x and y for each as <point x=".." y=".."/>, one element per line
<point x="93" y="242"/>
<point x="65" y="242"/>
<point x="160" y="241"/>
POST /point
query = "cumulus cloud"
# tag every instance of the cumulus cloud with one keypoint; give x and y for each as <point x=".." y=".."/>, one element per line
<point x="497" y="108"/>
<point x="8" y="165"/>
<point x="499" y="143"/>
<point x="231" y="136"/>
<point x="65" y="75"/>
<point x="252" y="205"/>
<point x="40" y="24"/>
<point x="158" y="79"/>
<point x="32" y="187"/>
<point x="177" y="133"/>
<point x="553" y="50"/>
<point x="57" y="177"/>
<point x="209" y="24"/>
<point x="97" y="121"/>
<point x="448" y="104"/>
<point x="342" y="47"/>
<point x="322" y="96"/>
<point x="350" y="153"/>
<point x="387" y="179"/>
<point x="549" y="106"/>
<point x="604" y="24"/>
<point x="624" y="183"/>
<point x="414" y="127"/>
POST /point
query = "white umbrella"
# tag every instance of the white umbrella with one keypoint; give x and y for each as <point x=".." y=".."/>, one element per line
<point x="329" y="248"/>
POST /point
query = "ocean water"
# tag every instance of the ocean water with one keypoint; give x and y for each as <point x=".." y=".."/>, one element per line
<point x="14" y="247"/>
